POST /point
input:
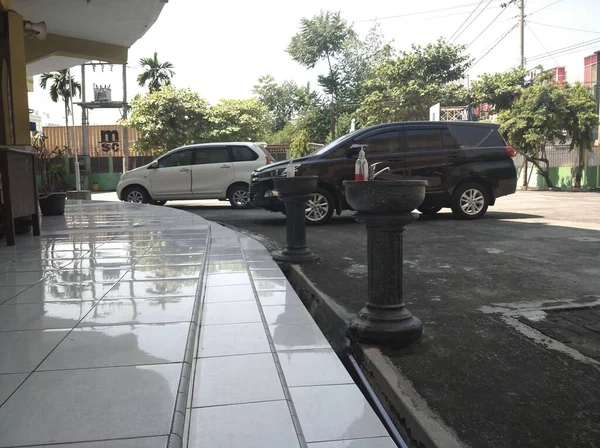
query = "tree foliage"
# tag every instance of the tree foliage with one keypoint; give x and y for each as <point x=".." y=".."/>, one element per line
<point x="157" y="74"/>
<point x="168" y="118"/>
<point x="536" y="118"/>
<point x="499" y="89"/>
<point x="238" y="120"/>
<point x="283" y="101"/>
<point x="299" y="146"/>
<point x="403" y="87"/>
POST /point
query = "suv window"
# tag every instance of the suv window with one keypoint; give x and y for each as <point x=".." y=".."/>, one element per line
<point x="179" y="158"/>
<point x="476" y="136"/>
<point x="384" y="142"/>
<point x="207" y="155"/>
<point x="448" y="139"/>
<point x="423" y="138"/>
<point x="243" y="154"/>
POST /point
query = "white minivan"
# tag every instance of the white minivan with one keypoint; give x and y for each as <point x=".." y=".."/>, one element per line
<point x="202" y="171"/>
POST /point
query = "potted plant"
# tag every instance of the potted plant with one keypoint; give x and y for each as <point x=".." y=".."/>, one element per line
<point x="52" y="192"/>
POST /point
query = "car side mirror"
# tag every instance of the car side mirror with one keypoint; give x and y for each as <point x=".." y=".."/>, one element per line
<point x="354" y="150"/>
<point x="153" y="165"/>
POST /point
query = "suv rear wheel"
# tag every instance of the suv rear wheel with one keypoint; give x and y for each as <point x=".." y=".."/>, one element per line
<point x="239" y="196"/>
<point x="470" y="201"/>
<point x="319" y="207"/>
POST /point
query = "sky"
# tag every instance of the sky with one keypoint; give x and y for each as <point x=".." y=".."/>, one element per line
<point x="220" y="49"/>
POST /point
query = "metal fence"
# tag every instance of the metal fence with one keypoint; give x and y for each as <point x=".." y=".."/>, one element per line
<point x="560" y="155"/>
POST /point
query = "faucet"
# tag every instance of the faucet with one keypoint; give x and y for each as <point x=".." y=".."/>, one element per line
<point x="372" y="174"/>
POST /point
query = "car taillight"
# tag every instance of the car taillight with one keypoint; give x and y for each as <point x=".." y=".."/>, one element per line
<point x="510" y="150"/>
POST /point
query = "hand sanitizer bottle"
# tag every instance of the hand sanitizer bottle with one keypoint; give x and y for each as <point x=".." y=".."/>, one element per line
<point x="290" y="170"/>
<point x="361" y="167"/>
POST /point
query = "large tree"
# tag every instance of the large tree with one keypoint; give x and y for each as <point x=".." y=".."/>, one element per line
<point x="238" y="120"/>
<point x="402" y="88"/>
<point x="283" y="101"/>
<point x="322" y="38"/>
<point x="61" y="86"/>
<point x="168" y="118"/>
<point x="580" y="121"/>
<point x="156" y="74"/>
<point x="538" y="117"/>
<point x="500" y="89"/>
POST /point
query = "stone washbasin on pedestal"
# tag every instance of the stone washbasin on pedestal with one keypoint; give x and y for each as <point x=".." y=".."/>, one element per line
<point x="386" y="208"/>
<point x="295" y="193"/>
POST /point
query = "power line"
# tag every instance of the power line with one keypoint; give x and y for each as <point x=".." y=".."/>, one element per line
<point x="415" y="13"/>
<point x="477" y="60"/>
<point x="504" y="7"/>
<point x="466" y="20"/>
<point x="474" y="19"/>
<point x="544" y="7"/>
<point x="565" y="27"/>
<point x="566" y="50"/>
<point x="541" y="43"/>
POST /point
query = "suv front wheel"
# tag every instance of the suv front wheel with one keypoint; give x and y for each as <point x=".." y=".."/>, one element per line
<point x="470" y="201"/>
<point x="319" y="207"/>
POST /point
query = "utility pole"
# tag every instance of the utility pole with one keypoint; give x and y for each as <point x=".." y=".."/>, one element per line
<point x="522" y="30"/>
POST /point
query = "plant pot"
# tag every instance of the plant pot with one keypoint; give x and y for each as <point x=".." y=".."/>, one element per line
<point x="53" y="204"/>
<point x="385" y="196"/>
<point x="95" y="186"/>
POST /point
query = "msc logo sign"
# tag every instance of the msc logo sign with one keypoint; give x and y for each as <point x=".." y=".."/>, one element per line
<point x="109" y="141"/>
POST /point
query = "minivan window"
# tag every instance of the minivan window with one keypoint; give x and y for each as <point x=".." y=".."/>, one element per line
<point x="423" y="138"/>
<point x="179" y="158"/>
<point x="207" y="155"/>
<point x="448" y="139"/>
<point x="243" y="154"/>
<point x="476" y="135"/>
<point x="384" y="142"/>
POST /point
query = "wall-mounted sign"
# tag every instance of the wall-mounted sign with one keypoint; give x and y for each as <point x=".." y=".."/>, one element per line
<point x="109" y="140"/>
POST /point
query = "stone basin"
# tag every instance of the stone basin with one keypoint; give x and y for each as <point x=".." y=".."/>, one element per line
<point x="286" y="186"/>
<point x="385" y="196"/>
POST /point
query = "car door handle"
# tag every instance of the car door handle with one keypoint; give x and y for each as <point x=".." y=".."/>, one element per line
<point x="225" y="166"/>
<point x="184" y="170"/>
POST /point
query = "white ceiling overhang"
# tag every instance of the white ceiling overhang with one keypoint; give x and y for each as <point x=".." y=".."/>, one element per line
<point x="82" y="30"/>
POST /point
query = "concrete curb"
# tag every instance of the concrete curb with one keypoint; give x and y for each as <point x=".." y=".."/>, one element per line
<point x="406" y="407"/>
<point x="402" y="402"/>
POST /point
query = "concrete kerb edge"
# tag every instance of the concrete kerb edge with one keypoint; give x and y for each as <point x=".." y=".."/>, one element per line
<point x="398" y="393"/>
<point x="176" y="434"/>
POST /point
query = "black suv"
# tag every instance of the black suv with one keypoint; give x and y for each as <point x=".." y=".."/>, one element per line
<point x="467" y="166"/>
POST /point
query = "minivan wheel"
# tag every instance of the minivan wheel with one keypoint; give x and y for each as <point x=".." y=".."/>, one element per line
<point x="429" y="210"/>
<point x="470" y="201"/>
<point x="239" y="196"/>
<point x="137" y="195"/>
<point x="319" y="207"/>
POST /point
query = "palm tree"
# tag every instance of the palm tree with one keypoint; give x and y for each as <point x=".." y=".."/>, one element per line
<point x="156" y="73"/>
<point x="62" y="86"/>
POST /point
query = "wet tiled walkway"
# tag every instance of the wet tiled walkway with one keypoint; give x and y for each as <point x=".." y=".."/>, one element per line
<point x="100" y="344"/>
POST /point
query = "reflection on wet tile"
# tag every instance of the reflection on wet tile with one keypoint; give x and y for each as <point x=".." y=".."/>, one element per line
<point x="312" y="368"/>
<point x="92" y="275"/>
<point x="334" y="413"/>
<point x="297" y="337"/>
<point x="253" y="425"/>
<point x="117" y="345"/>
<point x="227" y="279"/>
<point x="238" y="293"/>
<point x="168" y="260"/>
<point x="271" y="285"/>
<point x="236" y="379"/>
<point x="9" y="383"/>
<point x="22" y="351"/>
<point x="374" y="442"/>
<point x="44" y="316"/>
<point x="175" y="272"/>
<point x="6" y="292"/>
<point x="267" y="274"/>
<point x="234" y="339"/>
<point x="152" y="288"/>
<point x="78" y="401"/>
<point x="292" y="314"/>
<point x="270" y="298"/>
<point x="224" y="268"/>
<point x="230" y="313"/>
<point x="140" y="311"/>
<point x="143" y="442"/>
<point x="11" y="277"/>
<point x="265" y="264"/>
